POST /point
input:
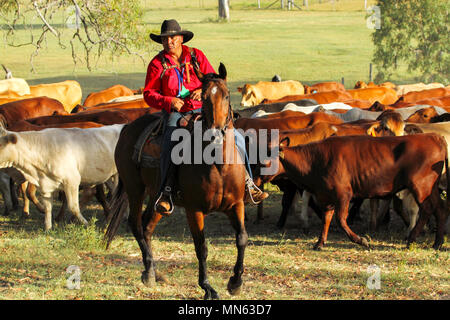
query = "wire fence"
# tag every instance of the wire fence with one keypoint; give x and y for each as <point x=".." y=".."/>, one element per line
<point x="339" y="5"/>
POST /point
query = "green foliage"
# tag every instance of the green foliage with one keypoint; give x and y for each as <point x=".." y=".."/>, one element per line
<point x="90" y="27"/>
<point x="414" y="32"/>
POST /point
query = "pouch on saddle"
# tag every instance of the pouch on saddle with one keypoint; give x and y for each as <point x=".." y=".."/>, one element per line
<point x="147" y="149"/>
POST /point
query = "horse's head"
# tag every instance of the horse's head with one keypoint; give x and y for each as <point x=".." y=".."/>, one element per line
<point x="216" y="110"/>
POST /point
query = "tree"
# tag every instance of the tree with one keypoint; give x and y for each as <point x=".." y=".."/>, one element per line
<point x="415" y="32"/>
<point x="224" y="9"/>
<point x="100" y="26"/>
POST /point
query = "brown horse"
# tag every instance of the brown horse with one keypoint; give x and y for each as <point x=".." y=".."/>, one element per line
<point x="200" y="188"/>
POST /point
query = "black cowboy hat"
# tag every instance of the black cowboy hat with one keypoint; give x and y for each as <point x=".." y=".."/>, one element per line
<point x="171" y="28"/>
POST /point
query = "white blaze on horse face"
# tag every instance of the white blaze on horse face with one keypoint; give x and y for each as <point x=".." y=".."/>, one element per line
<point x="214" y="90"/>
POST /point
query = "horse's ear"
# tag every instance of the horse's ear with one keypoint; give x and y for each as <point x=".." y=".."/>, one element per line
<point x="222" y="71"/>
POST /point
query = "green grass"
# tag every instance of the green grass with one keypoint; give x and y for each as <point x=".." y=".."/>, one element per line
<point x="278" y="264"/>
<point x="321" y="44"/>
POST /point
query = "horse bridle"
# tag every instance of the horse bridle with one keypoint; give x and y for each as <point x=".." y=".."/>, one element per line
<point x="228" y="119"/>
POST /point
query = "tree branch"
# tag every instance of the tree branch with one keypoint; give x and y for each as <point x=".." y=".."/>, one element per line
<point x="43" y="19"/>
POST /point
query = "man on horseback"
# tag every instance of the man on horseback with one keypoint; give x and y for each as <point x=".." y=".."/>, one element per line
<point x="172" y="86"/>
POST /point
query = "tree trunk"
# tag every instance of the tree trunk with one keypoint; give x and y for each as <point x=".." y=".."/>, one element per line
<point x="224" y="9"/>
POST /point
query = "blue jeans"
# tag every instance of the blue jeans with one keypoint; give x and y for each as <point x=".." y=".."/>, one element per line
<point x="167" y="145"/>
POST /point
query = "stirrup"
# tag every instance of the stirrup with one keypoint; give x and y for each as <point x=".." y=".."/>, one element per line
<point x="168" y="192"/>
<point x="252" y="186"/>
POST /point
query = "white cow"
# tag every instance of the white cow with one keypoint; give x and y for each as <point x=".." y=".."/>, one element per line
<point x="356" y="114"/>
<point x="61" y="159"/>
<point x="293" y="107"/>
<point x="254" y="94"/>
<point x="14" y="86"/>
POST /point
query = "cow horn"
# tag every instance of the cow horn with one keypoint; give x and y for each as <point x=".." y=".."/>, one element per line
<point x="8" y="72"/>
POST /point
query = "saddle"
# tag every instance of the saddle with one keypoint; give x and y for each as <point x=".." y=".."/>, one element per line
<point x="147" y="149"/>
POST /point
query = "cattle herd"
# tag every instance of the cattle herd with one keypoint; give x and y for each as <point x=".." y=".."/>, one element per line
<point x="386" y="143"/>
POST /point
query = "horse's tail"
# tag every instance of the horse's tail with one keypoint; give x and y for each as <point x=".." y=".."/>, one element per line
<point x="119" y="206"/>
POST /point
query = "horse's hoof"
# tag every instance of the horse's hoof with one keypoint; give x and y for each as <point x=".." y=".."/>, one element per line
<point x="317" y="247"/>
<point x="211" y="294"/>
<point x="437" y="246"/>
<point x="365" y="242"/>
<point x="147" y="279"/>
<point x="234" y="288"/>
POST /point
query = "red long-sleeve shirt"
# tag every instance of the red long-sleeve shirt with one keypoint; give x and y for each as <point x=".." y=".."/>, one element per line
<point x="158" y="92"/>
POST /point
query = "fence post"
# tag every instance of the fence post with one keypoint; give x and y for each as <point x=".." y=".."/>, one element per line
<point x="343" y="81"/>
<point x="370" y="72"/>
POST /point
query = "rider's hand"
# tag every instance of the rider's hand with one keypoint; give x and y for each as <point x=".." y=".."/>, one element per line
<point x="176" y="104"/>
<point x="196" y="94"/>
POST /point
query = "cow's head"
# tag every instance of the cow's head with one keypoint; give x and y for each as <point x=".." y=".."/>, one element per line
<point x="6" y="139"/>
<point x="360" y="85"/>
<point x="250" y="96"/>
<point x="310" y="90"/>
<point x="389" y="123"/>
<point x="424" y="115"/>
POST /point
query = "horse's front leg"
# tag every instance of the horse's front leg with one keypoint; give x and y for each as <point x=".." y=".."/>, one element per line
<point x="196" y="225"/>
<point x="236" y="217"/>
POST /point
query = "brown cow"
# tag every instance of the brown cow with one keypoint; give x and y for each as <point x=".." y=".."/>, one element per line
<point x="415" y="96"/>
<point x="424" y="115"/>
<point x="363" y="85"/>
<point x="30" y="108"/>
<point x="283" y="114"/>
<point x="103" y="96"/>
<point x="362" y="104"/>
<point x="289" y="123"/>
<point x="443" y="102"/>
<point x="321" y="97"/>
<point x="132" y="104"/>
<point x="383" y="95"/>
<point x="24" y="125"/>
<point x="106" y="117"/>
<point x="338" y="169"/>
<point x="387" y="124"/>
<point x="324" y="86"/>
